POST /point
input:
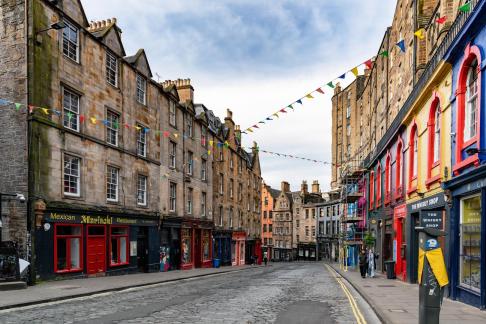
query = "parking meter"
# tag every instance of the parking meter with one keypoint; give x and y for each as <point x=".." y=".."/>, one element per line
<point x="432" y="275"/>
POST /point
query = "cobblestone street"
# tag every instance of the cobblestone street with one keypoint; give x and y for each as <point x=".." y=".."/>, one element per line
<point x="281" y="293"/>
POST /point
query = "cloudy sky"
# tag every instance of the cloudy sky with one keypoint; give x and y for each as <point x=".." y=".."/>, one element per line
<point x="255" y="57"/>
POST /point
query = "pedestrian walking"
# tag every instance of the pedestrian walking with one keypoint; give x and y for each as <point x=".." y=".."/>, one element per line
<point x="265" y="258"/>
<point x="363" y="263"/>
<point x="371" y="263"/>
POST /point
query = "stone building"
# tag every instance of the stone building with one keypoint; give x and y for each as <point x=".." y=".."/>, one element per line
<point x="236" y="195"/>
<point x="283" y="225"/>
<point x="269" y="197"/>
<point x="304" y="221"/>
<point x="328" y="226"/>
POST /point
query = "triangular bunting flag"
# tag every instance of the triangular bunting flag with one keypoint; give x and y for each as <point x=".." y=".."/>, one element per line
<point x="441" y="20"/>
<point x="209" y="152"/>
<point x="69" y="115"/>
<point x="299" y="101"/>
<point x="81" y="119"/>
<point x="465" y="7"/>
<point x="355" y="71"/>
<point x="176" y="135"/>
<point x="138" y="127"/>
<point x="384" y="53"/>
<point x="126" y="125"/>
<point x="93" y="120"/>
<point x="276" y="115"/>
<point x="105" y="122"/>
<point x="330" y="85"/>
<point x="368" y="64"/>
<point x="31" y="108"/>
<point x="401" y="45"/>
<point x="420" y="33"/>
<point x="309" y="96"/>
<point x="290" y="106"/>
<point x="57" y="112"/>
<point x="320" y="90"/>
<point x="255" y="126"/>
<point x="250" y="130"/>
<point x="261" y="122"/>
<point x="283" y="110"/>
<point x="342" y="76"/>
<point x="268" y="118"/>
<point x="17" y="106"/>
<point x="115" y="125"/>
<point x="4" y="102"/>
<point x="45" y="111"/>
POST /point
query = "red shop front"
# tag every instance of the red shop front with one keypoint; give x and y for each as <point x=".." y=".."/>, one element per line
<point x="400" y="243"/>
<point x="196" y="245"/>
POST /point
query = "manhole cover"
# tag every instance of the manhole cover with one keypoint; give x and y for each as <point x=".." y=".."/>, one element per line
<point x="386" y="286"/>
<point x="397" y="310"/>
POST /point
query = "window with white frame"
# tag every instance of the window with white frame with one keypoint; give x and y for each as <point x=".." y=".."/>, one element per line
<point x="172" y="154"/>
<point x="204" y="134"/>
<point x="70" y="41"/>
<point x="172" y="196"/>
<point x="470" y="242"/>
<point x="111" y="69"/>
<point x="471" y="101"/>
<point x="141" y="89"/>
<point x="112" y="124"/>
<point x="204" y="167"/>
<point x="437" y="134"/>
<point x="142" y="190"/>
<point x="190" y="127"/>
<point x="70" y="104"/>
<point x="72" y="175"/>
<point x="141" y="141"/>
<point x="230" y="189"/>
<point x="230" y="217"/>
<point x="220" y="215"/>
<point x="190" y="192"/>
<point x="231" y="160"/>
<point x="203" y="204"/>
<point x="221" y="183"/>
<point x="172" y="113"/>
<point x="190" y="163"/>
<point x="112" y="180"/>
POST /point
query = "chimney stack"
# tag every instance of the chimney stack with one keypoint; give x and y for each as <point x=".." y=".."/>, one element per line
<point x="304" y="188"/>
<point x="337" y="88"/>
<point x="315" y="187"/>
<point x="184" y="89"/>
<point x="285" y="187"/>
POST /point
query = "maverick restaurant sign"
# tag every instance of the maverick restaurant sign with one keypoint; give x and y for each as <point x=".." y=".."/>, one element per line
<point x="97" y="220"/>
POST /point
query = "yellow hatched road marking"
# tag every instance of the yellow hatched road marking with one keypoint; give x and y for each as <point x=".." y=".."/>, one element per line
<point x="354" y="306"/>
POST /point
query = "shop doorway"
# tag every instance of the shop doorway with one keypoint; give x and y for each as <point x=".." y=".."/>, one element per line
<point x="414" y="247"/>
<point x="197" y="249"/>
<point x="142" y="249"/>
<point x="96" y="249"/>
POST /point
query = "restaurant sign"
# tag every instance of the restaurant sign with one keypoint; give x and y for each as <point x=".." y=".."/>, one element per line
<point x="98" y="219"/>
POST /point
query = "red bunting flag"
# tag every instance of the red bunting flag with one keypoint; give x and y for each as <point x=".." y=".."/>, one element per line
<point x="255" y="126"/>
<point x="320" y="90"/>
<point x="127" y="125"/>
<point x="31" y="108"/>
<point x="81" y="119"/>
<point x="283" y="110"/>
<point x="441" y="20"/>
<point x="166" y="134"/>
<point x="369" y="64"/>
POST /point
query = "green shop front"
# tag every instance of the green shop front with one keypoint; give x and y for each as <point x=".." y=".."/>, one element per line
<point x="74" y="244"/>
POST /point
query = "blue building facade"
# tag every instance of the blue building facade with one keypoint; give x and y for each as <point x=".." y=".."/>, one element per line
<point x="466" y="189"/>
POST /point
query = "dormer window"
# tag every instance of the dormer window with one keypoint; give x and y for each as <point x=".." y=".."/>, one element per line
<point x="141" y="89"/>
<point x="70" y="41"/>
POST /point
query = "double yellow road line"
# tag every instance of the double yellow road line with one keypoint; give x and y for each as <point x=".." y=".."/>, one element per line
<point x="352" y="301"/>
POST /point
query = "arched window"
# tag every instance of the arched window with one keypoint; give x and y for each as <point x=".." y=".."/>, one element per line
<point x="437" y="135"/>
<point x="387" y="178"/>
<point x="398" y="170"/>
<point x="470" y="118"/>
<point x="378" y="185"/>
<point x="413" y="156"/>
<point x="372" y="189"/>
<point x="468" y="112"/>
<point x="433" y="129"/>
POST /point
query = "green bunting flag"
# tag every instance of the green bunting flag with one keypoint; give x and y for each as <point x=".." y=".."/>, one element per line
<point x="466" y="7"/>
<point x="384" y="53"/>
<point x="330" y="84"/>
<point x="17" y="106"/>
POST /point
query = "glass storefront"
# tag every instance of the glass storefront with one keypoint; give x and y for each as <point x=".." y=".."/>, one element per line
<point x="186" y="246"/>
<point x="470" y="239"/>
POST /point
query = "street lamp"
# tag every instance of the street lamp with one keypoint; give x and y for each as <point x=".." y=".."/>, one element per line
<point x="20" y="197"/>
<point x="56" y="26"/>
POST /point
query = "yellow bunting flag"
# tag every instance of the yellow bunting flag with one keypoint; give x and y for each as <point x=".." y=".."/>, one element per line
<point x="138" y="127"/>
<point x="276" y="115"/>
<point x="420" y="33"/>
<point x="93" y="120"/>
<point x="309" y="96"/>
<point x="209" y="152"/>
<point x="45" y="110"/>
<point x="355" y="71"/>
<point x="211" y="143"/>
<point x="250" y="130"/>
<point x="176" y="135"/>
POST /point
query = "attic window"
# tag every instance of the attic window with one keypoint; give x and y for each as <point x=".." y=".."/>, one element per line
<point x="141" y="89"/>
<point x="70" y="41"/>
<point x="111" y="69"/>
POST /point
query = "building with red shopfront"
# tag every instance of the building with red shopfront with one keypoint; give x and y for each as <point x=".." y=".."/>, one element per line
<point x="196" y="244"/>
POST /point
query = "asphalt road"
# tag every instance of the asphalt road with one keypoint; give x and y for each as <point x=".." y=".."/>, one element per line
<point x="279" y="293"/>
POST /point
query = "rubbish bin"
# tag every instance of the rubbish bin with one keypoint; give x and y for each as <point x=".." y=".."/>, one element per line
<point x="216" y="263"/>
<point x="390" y="269"/>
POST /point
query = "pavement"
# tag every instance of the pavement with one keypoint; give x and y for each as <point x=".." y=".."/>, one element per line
<point x="279" y="293"/>
<point x="395" y="301"/>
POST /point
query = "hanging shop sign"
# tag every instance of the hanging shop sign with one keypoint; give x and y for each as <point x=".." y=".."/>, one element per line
<point x="54" y="217"/>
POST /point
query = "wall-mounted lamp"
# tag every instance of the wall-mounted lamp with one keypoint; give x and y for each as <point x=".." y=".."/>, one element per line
<point x="56" y="26"/>
<point x="474" y="150"/>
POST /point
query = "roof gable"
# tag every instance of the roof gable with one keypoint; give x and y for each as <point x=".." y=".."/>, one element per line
<point x="75" y="11"/>
<point x="140" y="61"/>
<point x="112" y="40"/>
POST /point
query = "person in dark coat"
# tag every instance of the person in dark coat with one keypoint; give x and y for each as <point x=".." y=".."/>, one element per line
<point x="363" y="263"/>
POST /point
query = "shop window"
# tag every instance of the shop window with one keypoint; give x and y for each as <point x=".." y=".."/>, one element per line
<point x="206" y="245"/>
<point x="470" y="240"/>
<point x="186" y="246"/>
<point x="468" y="112"/>
<point x="378" y="186"/>
<point x="118" y="245"/>
<point x="68" y="242"/>
<point x="372" y="191"/>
